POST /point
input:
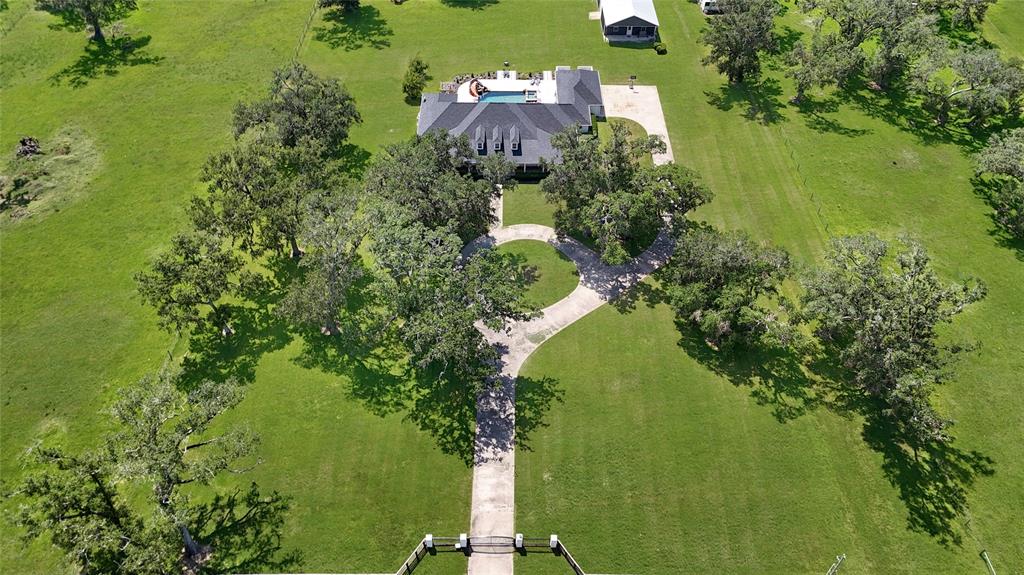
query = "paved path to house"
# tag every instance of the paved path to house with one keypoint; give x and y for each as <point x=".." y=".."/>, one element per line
<point x="494" y="466"/>
<point x="494" y="469"/>
<point x="642" y="105"/>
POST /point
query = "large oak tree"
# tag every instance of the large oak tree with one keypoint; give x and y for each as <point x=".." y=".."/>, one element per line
<point x="302" y="104"/>
<point x="738" y="36"/>
<point x="434" y="297"/>
<point x="194" y="274"/>
<point x="880" y="310"/>
<point x="93" y="13"/>
<point x="605" y="192"/>
<point x="430" y="176"/>
<point x="165" y="440"/>
<point x="728" y="287"/>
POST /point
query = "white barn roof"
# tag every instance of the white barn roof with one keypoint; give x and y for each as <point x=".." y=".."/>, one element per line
<point x="618" y="10"/>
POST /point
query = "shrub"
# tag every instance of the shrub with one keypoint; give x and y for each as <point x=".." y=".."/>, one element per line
<point x="415" y="79"/>
<point x="660" y="48"/>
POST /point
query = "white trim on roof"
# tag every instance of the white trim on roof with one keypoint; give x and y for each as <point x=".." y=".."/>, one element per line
<point x="616" y="11"/>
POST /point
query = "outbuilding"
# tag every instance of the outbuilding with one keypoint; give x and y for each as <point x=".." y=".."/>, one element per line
<point x="629" y="19"/>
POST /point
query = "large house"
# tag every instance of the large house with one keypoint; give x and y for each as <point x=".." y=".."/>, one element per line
<point x="629" y="19"/>
<point x="516" y="116"/>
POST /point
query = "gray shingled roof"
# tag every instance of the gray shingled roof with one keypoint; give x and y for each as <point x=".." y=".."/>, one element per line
<point x="578" y="90"/>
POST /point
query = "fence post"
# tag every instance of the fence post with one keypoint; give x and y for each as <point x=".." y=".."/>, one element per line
<point x="988" y="563"/>
<point x="305" y="30"/>
<point x="835" y="566"/>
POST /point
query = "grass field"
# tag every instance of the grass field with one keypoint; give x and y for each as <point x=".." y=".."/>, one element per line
<point x="649" y="439"/>
<point x="552" y="275"/>
<point x="666" y="463"/>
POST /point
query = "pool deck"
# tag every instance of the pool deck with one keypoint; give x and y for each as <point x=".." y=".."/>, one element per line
<point x="547" y="92"/>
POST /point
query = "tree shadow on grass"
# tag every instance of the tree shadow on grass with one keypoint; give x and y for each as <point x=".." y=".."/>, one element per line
<point x="646" y="292"/>
<point x="213" y="357"/>
<point x="761" y="98"/>
<point x="385" y="383"/>
<point x="245" y="529"/>
<point x="901" y="109"/>
<point x="934" y="482"/>
<point x="960" y="34"/>
<point x="354" y="30"/>
<point x="354" y="159"/>
<point x="785" y="40"/>
<point x="106" y="59"/>
<point x="987" y="189"/>
<point x="471" y="4"/>
<point x="775" y="377"/>
<point x="534" y="398"/>
<point x="258" y="331"/>
<point x="813" y="112"/>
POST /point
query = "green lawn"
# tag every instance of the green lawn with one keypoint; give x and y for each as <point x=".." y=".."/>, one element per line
<point x="654" y="443"/>
<point x="553" y="275"/>
<point x="526" y="205"/>
<point x="1003" y="24"/>
<point x="648" y="439"/>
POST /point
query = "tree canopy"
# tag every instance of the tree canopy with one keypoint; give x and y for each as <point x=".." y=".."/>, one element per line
<point x="975" y="80"/>
<point x="86" y="504"/>
<point x="434" y="297"/>
<point x="1004" y="154"/>
<point x="75" y="500"/>
<point x="77" y="14"/>
<point x="880" y="311"/>
<point x="429" y="175"/>
<point x="1001" y="163"/>
<point x="738" y="36"/>
<point x="605" y="193"/>
<point x="721" y="283"/>
<point x="195" y="273"/>
<point x="300" y="105"/>
<point x="965" y="13"/>
<point x="907" y="41"/>
<point x="163" y="440"/>
<point x="332" y="234"/>
<point x="881" y="39"/>
<point x="257" y="190"/>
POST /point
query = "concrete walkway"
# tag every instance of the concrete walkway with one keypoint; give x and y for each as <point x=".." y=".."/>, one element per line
<point x="493" y="500"/>
<point x="642" y="104"/>
<point x="494" y="468"/>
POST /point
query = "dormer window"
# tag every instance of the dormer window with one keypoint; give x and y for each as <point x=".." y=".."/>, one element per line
<point x="481" y="142"/>
<point x="496" y="138"/>
<point x="513" y="138"/>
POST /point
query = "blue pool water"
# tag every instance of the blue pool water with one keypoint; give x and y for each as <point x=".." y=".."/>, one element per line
<point x="504" y="97"/>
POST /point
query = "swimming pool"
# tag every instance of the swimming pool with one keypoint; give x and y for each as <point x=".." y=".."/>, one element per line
<point x="504" y="97"/>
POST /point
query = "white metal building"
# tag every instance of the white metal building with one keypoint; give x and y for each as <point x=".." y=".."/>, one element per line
<point x="628" y="19"/>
